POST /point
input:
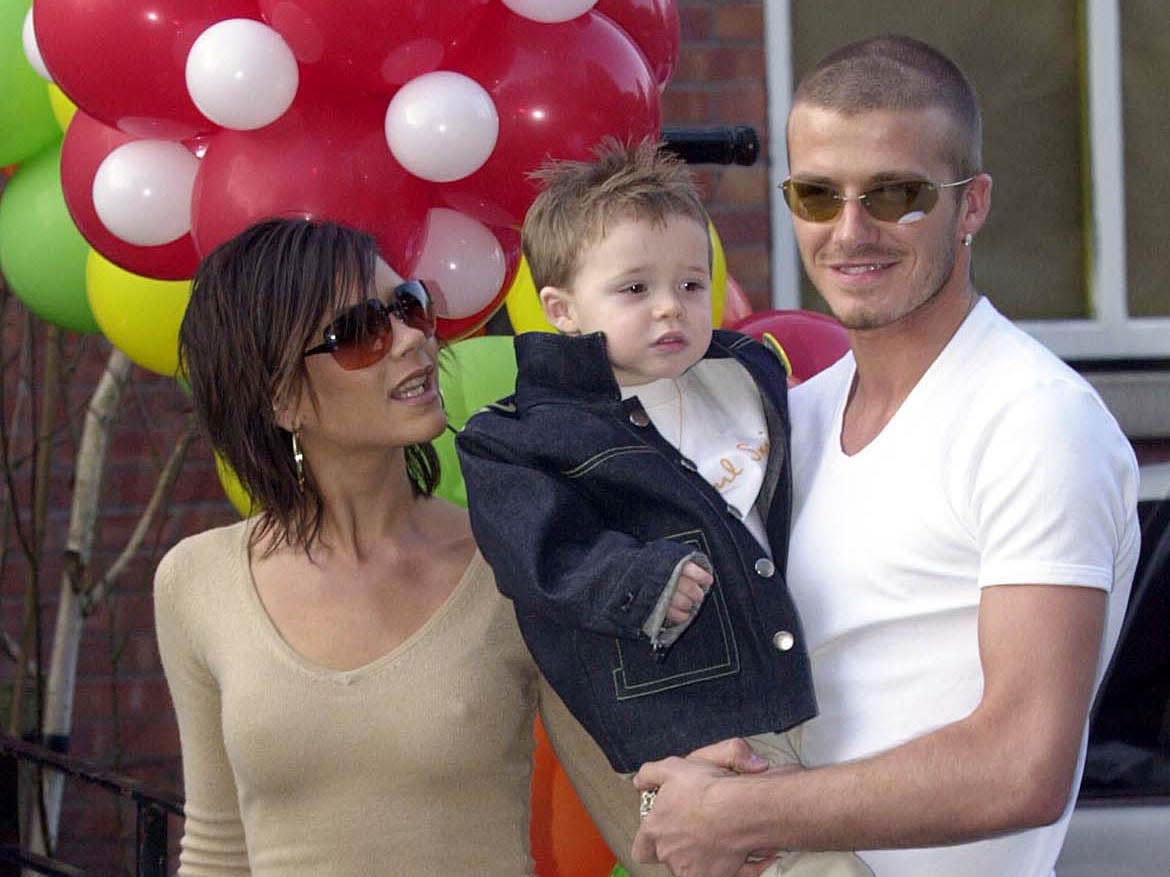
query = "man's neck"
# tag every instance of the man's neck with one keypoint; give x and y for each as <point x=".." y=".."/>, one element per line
<point x="892" y="359"/>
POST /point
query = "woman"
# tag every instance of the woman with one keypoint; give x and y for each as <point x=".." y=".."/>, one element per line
<point x="352" y="693"/>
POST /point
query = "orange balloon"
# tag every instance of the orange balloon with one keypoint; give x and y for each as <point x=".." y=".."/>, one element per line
<point x="565" y="842"/>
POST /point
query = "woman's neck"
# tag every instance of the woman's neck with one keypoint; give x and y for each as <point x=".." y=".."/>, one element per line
<point x="368" y="500"/>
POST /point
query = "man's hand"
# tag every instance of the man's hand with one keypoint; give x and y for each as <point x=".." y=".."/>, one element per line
<point x="678" y="831"/>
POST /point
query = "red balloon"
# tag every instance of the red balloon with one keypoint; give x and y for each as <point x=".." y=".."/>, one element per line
<point x="810" y="340"/>
<point x="558" y="89"/>
<point x="654" y="28"/>
<point x="565" y="842"/>
<point x="466" y="327"/>
<point x="324" y="160"/>
<point x="87" y="143"/>
<point x="372" y="46"/>
<point x="735" y="304"/>
<point x="124" y="61"/>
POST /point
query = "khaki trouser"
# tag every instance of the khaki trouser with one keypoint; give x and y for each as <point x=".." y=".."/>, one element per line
<point x="612" y="800"/>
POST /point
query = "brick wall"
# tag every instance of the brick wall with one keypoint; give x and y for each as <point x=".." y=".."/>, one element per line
<point x="720" y="81"/>
<point x="122" y="715"/>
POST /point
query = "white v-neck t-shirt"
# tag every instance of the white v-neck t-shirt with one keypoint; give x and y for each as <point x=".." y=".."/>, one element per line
<point x="1002" y="467"/>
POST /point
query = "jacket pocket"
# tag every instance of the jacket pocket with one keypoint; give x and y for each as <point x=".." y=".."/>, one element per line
<point x="705" y="651"/>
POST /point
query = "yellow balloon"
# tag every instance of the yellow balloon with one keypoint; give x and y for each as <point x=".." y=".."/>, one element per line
<point x="526" y="314"/>
<point x="523" y="304"/>
<point x="718" y="276"/>
<point x="236" y="494"/>
<point x="63" y="108"/>
<point x="139" y="315"/>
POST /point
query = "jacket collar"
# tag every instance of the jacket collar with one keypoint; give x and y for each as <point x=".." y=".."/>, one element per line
<point x="574" y="368"/>
<point x="560" y="368"/>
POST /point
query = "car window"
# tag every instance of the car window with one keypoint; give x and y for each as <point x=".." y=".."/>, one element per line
<point x="1129" y="737"/>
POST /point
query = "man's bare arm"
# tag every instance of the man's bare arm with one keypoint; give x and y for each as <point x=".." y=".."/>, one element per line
<point x="1009" y="765"/>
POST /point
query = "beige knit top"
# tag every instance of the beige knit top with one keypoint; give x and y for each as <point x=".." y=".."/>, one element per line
<point x="415" y="764"/>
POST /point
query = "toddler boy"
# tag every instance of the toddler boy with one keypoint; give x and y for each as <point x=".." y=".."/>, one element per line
<point x="633" y="495"/>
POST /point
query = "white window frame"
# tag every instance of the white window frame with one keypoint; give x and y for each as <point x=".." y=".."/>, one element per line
<point x="1110" y="332"/>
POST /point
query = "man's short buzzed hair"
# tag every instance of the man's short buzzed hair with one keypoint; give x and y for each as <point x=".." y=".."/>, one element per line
<point x="895" y="72"/>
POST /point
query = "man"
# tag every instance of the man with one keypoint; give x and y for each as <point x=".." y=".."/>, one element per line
<point x="964" y="533"/>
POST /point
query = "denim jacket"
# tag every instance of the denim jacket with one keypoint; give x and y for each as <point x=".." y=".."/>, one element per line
<point x="585" y="513"/>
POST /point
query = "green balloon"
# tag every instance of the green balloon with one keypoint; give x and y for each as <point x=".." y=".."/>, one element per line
<point x="619" y="871"/>
<point x="27" y="124"/>
<point x="472" y="373"/>
<point x="42" y="254"/>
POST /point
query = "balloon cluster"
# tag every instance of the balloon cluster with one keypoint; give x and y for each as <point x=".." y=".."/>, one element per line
<point x="417" y="121"/>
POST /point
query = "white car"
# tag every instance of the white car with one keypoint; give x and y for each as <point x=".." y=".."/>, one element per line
<point x="1121" y="825"/>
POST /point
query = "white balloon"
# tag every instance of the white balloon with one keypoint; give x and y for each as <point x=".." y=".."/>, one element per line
<point x="241" y="74"/>
<point x="32" y="51"/>
<point x="442" y="126"/>
<point x="462" y="263"/>
<point x="550" y="11"/>
<point x="142" y="191"/>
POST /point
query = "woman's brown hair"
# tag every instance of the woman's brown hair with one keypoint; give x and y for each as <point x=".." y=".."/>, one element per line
<point x="257" y="301"/>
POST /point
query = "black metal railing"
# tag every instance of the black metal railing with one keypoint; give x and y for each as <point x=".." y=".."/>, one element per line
<point x="153" y="809"/>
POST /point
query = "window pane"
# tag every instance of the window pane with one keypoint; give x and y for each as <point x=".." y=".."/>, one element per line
<point x="1145" y="36"/>
<point x="1024" y="60"/>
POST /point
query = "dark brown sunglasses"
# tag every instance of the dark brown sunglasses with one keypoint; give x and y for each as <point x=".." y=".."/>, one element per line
<point x="361" y="335"/>
<point x="900" y="201"/>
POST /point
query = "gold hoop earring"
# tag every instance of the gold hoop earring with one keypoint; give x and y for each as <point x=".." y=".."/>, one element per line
<point x="298" y="463"/>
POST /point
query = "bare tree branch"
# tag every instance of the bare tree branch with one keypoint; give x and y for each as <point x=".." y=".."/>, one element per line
<point x="91" y="597"/>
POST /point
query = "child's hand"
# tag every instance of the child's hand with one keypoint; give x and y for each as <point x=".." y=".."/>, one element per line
<point x="693" y="583"/>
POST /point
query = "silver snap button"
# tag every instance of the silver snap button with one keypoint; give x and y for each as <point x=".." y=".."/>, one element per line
<point x="765" y="568"/>
<point x="783" y="640"/>
<point x="638" y="417"/>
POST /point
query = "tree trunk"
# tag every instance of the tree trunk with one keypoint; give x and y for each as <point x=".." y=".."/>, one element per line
<point x="88" y="472"/>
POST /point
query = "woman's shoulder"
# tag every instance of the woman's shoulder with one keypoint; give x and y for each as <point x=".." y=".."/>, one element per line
<point x="493" y="613"/>
<point x="223" y="540"/>
<point x="477" y="585"/>
<point x="213" y="555"/>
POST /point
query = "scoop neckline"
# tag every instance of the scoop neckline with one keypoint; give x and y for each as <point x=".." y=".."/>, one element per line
<point x="276" y="640"/>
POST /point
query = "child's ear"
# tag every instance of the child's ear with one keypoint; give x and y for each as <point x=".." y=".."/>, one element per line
<point x="558" y="309"/>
